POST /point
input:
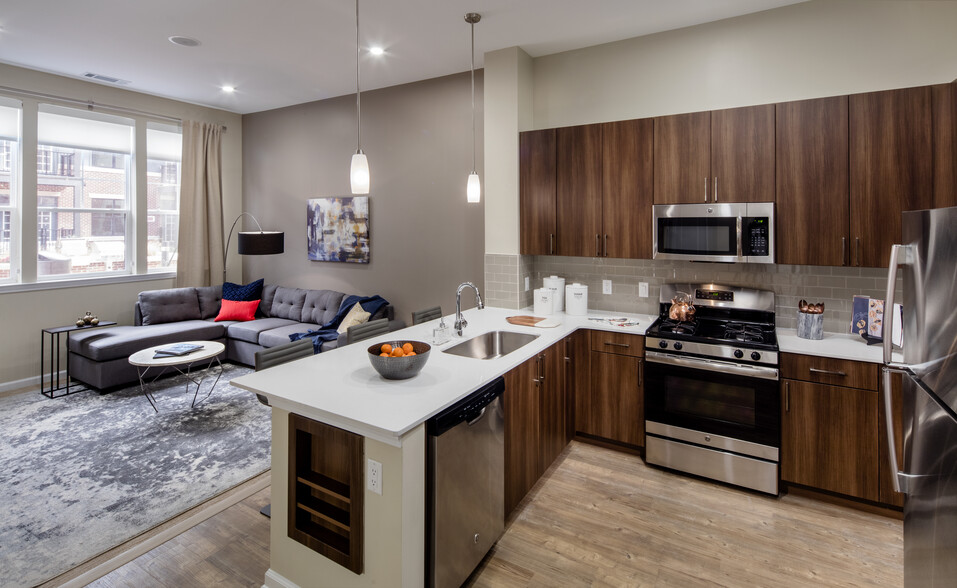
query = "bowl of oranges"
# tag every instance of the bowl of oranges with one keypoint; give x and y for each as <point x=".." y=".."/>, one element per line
<point x="399" y="360"/>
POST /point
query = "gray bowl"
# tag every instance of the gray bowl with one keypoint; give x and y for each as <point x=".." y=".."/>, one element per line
<point x="399" y="368"/>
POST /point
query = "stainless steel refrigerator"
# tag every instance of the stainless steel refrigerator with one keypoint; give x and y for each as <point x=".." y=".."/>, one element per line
<point x="928" y="475"/>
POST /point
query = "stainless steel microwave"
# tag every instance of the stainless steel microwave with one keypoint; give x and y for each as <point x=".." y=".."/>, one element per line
<point x="729" y="233"/>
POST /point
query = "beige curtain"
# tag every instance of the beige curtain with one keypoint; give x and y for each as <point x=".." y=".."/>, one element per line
<point x="200" y="246"/>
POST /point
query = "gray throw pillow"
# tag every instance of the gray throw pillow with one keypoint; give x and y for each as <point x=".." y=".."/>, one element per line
<point x="169" y="306"/>
<point x="265" y="305"/>
<point x="288" y="303"/>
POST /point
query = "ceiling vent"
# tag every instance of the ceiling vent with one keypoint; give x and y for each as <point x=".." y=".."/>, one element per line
<point x="106" y="79"/>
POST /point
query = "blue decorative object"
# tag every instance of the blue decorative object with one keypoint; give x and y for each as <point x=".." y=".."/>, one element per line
<point x="243" y="293"/>
<point x="328" y="331"/>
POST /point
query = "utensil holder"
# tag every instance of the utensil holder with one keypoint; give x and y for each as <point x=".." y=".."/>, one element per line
<point x="810" y="326"/>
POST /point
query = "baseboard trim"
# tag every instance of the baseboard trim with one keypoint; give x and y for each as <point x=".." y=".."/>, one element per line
<point x="32" y="382"/>
<point x="276" y="580"/>
<point x="213" y="507"/>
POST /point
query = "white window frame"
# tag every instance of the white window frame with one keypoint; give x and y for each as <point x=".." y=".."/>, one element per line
<point x="13" y="208"/>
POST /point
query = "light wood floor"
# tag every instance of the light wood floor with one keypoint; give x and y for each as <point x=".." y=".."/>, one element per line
<point x="598" y="518"/>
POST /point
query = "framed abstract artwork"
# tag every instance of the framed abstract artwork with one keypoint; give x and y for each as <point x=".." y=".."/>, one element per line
<point x="337" y="229"/>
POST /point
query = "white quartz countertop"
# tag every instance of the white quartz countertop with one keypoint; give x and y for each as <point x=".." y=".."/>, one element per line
<point x="836" y="345"/>
<point x="342" y="389"/>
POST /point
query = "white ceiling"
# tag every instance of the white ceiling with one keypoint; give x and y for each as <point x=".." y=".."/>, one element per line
<point x="283" y="52"/>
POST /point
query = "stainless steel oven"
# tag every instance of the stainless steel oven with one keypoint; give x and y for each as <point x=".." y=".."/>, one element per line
<point x="733" y="232"/>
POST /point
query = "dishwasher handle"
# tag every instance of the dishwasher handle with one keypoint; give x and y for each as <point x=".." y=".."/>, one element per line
<point x="469" y="410"/>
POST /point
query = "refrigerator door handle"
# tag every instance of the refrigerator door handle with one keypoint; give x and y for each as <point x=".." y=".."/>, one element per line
<point x="888" y="330"/>
<point x="889" y="419"/>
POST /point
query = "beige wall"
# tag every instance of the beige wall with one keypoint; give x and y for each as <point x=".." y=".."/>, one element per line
<point x="425" y="238"/>
<point x="23" y="314"/>
<point x="813" y="49"/>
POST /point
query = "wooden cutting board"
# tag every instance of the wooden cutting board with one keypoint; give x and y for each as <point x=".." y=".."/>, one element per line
<point x="533" y="321"/>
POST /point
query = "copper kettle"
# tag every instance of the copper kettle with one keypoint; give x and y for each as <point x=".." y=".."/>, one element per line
<point x="681" y="308"/>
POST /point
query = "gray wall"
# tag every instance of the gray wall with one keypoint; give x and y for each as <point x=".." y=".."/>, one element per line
<point x="425" y="238"/>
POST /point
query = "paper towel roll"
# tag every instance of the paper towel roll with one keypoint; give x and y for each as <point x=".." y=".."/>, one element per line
<point x="558" y="285"/>
<point x="576" y="299"/>
<point x="544" y="301"/>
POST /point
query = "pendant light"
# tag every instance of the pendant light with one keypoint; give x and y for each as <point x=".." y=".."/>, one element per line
<point x="473" y="190"/>
<point x="359" y="170"/>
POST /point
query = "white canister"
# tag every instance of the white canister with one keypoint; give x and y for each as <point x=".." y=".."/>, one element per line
<point x="544" y="301"/>
<point x="558" y="285"/>
<point x="576" y="299"/>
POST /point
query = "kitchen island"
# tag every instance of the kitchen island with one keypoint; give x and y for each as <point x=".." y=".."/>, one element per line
<point x="341" y="389"/>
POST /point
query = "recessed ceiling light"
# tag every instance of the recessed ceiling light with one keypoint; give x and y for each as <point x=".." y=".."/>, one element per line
<point x="229" y="89"/>
<point x="184" y="41"/>
<point x="376" y="50"/>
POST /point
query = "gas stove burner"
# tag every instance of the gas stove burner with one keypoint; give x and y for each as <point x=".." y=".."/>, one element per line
<point x="668" y="325"/>
<point x="744" y="332"/>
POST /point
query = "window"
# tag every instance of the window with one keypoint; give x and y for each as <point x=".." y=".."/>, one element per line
<point x="164" y="144"/>
<point x="84" y="193"/>
<point x="9" y="188"/>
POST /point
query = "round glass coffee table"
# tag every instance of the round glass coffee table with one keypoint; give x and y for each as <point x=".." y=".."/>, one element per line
<point x="207" y="353"/>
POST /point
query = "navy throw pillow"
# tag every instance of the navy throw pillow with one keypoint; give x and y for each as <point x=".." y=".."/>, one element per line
<point x="243" y="293"/>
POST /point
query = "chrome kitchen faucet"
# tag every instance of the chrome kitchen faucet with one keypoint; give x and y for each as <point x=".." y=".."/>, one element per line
<point x="460" y="322"/>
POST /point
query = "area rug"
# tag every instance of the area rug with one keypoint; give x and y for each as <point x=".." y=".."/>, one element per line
<point x="81" y="474"/>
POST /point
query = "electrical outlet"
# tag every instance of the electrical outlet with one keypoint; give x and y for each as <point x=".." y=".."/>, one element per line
<point x="606" y="286"/>
<point x="526" y="283"/>
<point x="643" y="289"/>
<point x="374" y="476"/>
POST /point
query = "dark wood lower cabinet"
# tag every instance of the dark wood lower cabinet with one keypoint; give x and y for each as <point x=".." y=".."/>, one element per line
<point x="522" y="406"/>
<point x="615" y="399"/>
<point x="829" y="438"/>
<point x="551" y="387"/>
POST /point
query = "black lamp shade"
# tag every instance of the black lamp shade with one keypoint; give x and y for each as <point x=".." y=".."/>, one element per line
<point x="261" y="242"/>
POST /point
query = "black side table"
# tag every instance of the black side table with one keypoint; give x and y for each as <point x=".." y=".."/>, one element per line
<point x="54" y="334"/>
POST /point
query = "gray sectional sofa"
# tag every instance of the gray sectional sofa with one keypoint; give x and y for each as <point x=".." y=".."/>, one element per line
<point x="99" y="357"/>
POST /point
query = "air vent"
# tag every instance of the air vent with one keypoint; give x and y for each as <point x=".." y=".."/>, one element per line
<point x="106" y="79"/>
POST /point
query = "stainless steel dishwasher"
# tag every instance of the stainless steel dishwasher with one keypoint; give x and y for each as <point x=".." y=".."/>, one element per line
<point x="466" y="491"/>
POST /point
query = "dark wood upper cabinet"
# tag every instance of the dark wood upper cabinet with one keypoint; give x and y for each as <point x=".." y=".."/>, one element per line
<point x="945" y="144"/>
<point x="742" y="154"/>
<point x="627" y="188"/>
<point x="891" y="167"/>
<point x="579" y="190"/>
<point x="682" y="158"/>
<point x="812" y="182"/>
<point x="537" y="205"/>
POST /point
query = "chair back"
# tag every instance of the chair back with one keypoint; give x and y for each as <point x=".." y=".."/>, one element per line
<point x="426" y="314"/>
<point x="282" y="353"/>
<point x="367" y="330"/>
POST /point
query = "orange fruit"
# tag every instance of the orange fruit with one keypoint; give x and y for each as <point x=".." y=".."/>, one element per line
<point x="383" y="354"/>
<point x="397" y="352"/>
<point x="407" y="348"/>
<point x="386" y="348"/>
<point x="410" y="354"/>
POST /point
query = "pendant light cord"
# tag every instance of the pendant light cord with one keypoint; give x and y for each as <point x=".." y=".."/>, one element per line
<point x="358" y="103"/>
<point x="472" y="67"/>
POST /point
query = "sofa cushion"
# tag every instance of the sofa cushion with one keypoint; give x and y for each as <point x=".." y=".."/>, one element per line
<point x="209" y="300"/>
<point x="244" y="293"/>
<point x="168" y="306"/>
<point x="321" y="306"/>
<point x="118" y="342"/>
<point x="288" y="303"/>
<point x="269" y="294"/>
<point x="280" y="336"/>
<point x="237" y="310"/>
<point x="251" y="330"/>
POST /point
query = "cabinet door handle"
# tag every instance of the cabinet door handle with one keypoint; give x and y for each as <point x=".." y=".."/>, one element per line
<point x="625" y="345"/>
<point x="606" y="245"/>
<point x="706" y="189"/>
<point x="787" y="397"/>
<point x="843" y="250"/>
<point x="715" y="198"/>
<point x="598" y="245"/>
<point x="551" y="243"/>
<point x="541" y="368"/>
<point x="828" y="372"/>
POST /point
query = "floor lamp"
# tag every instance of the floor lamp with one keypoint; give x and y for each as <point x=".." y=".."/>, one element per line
<point x="254" y="242"/>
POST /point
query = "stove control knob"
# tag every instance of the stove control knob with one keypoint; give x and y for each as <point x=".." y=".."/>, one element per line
<point x="755" y="355"/>
<point x="738" y="353"/>
<point x="663" y="344"/>
<point x="678" y="345"/>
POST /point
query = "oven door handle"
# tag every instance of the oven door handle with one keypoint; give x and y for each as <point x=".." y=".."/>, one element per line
<point x="753" y="371"/>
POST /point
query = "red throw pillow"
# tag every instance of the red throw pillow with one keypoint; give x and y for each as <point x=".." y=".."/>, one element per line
<point x="237" y="310"/>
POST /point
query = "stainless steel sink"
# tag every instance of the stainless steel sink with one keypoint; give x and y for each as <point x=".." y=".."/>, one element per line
<point x="491" y="345"/>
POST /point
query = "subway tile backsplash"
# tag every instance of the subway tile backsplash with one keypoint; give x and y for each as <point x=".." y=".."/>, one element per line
<point x="834" y="286"/>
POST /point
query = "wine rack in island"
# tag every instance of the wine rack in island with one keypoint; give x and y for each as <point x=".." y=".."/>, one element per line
<point x="326" y="490"/>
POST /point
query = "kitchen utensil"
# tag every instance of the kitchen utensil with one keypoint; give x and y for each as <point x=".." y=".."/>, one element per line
<point x="400" y="368"/>
<point x="681" y="308"/>
<point x="533" y="321"/>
